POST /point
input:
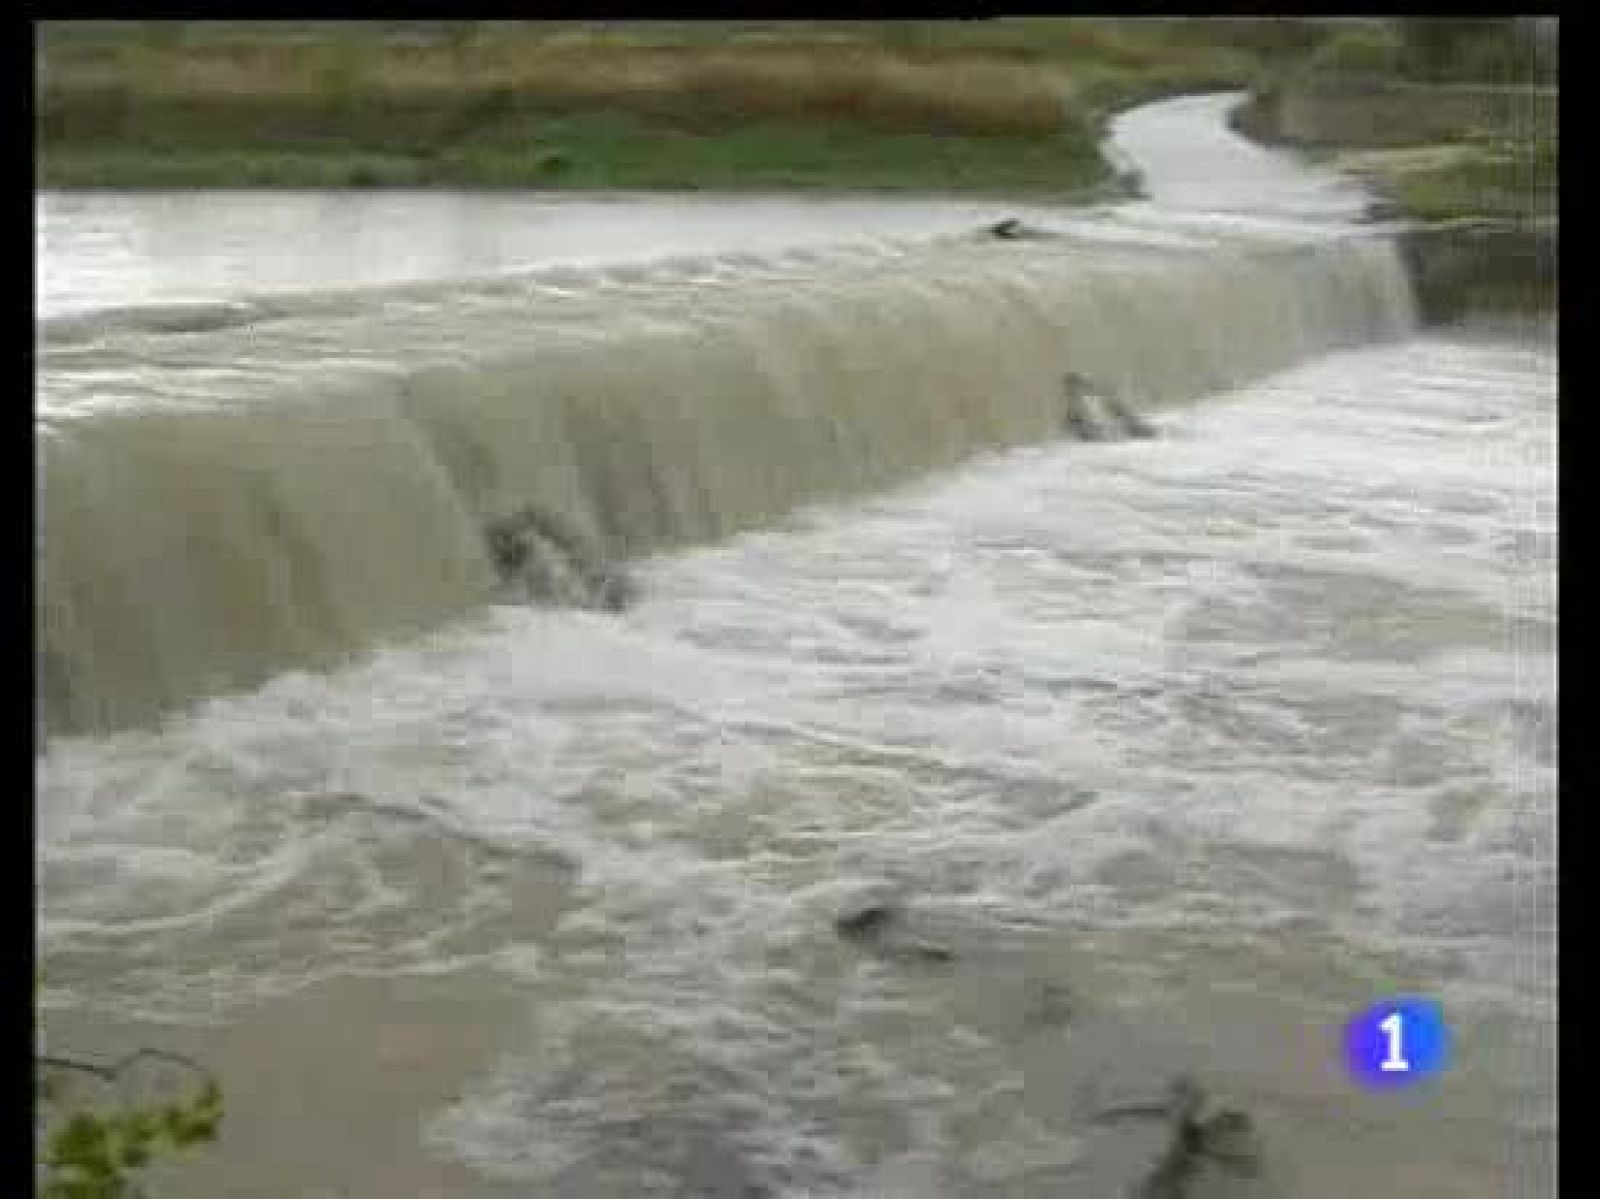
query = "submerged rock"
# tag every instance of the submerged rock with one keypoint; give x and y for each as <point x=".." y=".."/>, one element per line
<point x="1130" y="421"/>
<point x="1081" y="414"/>
<point x="1092" y="413"/>
<point x="540" y="560"/>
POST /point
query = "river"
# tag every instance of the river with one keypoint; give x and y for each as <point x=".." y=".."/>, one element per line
<point x="1178" y="750"/>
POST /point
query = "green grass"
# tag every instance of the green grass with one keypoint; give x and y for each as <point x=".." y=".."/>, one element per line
<point x="610" y="150"/>
<point x="1503" y="265"/>
<point x="993" y="106"/>
<point x="1515" y="180"/>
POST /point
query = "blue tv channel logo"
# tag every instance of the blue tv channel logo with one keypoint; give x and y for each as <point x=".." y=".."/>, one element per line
<point x="1397" y="1043"/>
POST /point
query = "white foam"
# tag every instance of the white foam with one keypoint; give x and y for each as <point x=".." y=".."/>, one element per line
<point x="1086" y="688"/>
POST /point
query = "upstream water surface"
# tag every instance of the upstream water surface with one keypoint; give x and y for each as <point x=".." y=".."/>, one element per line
<point x="1181" y="750"/>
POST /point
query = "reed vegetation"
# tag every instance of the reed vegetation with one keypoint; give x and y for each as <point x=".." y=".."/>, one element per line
<point x="1003" y="105"/>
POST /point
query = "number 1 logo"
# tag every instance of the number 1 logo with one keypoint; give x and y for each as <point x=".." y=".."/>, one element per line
<point x="1396" y="1043"/>
<point x="1393" y="1026"/>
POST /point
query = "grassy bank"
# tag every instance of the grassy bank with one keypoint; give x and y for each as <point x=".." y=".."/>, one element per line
<point x="1453" y="123"/>
<point x="1509" y="180"/>
<point x="1448" y="118"/>
<point x="1005" y="106"/>
<point x="1486" y="235"/>
<point x="601" y="150"/>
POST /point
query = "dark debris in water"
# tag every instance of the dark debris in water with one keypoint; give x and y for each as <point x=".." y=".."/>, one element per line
<point x="879" y="928"/>
<point x="1013" y="229"/>
<point x="866" y="922"/>
<point x="540" y="558"/>
<point x="1200" y="1134"/>
<point x="1093" y="412"/>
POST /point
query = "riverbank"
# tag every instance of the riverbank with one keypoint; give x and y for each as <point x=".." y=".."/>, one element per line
<point x="1472" y="170"/>
<point x="1485" y="226"/>
<point x="610" y="151"/>
<point x="1001" y="107"/>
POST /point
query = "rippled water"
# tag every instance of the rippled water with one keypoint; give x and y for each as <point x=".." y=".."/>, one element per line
<point x="1179" y="751"/>
<point x="202" y="245"/>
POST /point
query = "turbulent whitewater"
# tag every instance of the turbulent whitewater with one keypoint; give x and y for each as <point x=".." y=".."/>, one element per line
<point x="1168" y="753"/>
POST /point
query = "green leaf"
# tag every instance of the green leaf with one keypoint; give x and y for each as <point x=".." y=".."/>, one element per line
<point x="82" y="1138"/>
<point x="92" y="1156"/>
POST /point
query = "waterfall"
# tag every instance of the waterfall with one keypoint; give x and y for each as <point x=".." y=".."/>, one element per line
<point x="287" y="484"/>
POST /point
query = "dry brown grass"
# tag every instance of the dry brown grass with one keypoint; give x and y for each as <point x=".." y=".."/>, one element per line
<point x="1004" y="78"/>
<point x="871" y="87"/>
<point x="441" y="93"/>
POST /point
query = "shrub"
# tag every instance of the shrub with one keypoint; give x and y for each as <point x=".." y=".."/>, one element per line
<point x="1372" y="50"/>
<point x="1477" y="50"/>
<point x="94" y="1146"/>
